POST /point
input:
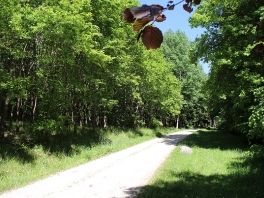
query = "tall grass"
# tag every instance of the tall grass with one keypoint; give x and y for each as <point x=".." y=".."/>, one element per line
<point x="222" y="165"/>
<point x="24" y="160"/>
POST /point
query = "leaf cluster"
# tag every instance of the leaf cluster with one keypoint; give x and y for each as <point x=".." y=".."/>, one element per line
<point x="145" y="16"/>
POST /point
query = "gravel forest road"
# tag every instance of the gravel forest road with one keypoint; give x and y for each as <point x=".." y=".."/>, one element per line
<point x="118" y="175"/>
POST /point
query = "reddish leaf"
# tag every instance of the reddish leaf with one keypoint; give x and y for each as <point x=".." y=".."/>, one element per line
<point x="140" y="23"/>
<point x="145" y="11"/>
<point x="197" y="2"/>
<point x="188" y="1"/>
<point x="161" y="18"/>
<point x="152" y="37"/>
<point x="128" y="16"/>
<point x="157" y="6"/>
<point x="260" y="27"/>
<point x="187" y="8"/>
<point x="258" y="47"/>
<point x="171" y="7"/>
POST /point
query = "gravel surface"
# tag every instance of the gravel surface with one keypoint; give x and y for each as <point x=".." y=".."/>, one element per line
<point x="118" y="175"/>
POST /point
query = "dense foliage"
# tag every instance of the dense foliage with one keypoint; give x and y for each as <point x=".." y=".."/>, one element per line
<point x="233" y="45"/>
<point x="66" y="65"/>
<point x="176" y="47"/>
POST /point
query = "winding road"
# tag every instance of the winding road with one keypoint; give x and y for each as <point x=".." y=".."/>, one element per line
<point x="118" y="175"/>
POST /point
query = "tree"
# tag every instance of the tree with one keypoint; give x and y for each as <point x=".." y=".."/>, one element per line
<point x="176" y="49"/>
<point x="160" y="89"/>
<point x="45" y="46"/>
<point x="72" y="64"/>
<point x="233" y="45"/>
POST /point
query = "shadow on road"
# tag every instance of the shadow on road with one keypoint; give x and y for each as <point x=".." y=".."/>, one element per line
<point x="216" y="140"/>
<point x="173" y="139"/>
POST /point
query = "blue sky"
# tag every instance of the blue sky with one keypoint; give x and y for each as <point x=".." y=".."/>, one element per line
<point x="177" y="19"/>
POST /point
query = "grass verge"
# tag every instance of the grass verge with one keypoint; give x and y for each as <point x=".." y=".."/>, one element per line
<point x="26" y="160"/>
<point x="222" y="165"/>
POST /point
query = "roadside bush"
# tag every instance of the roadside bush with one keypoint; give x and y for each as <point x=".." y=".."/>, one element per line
<point x="156" y="124"/>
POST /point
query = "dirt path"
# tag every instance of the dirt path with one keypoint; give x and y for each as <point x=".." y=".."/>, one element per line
<point x="120" y="174"/>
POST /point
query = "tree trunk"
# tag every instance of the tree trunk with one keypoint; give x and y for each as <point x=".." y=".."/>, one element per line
<point x="214" y="123"/>
<point x="105" y="122"/>
<point x="95" y="117"/>
<point x="17" y="115"/>
<point x="177" y="121"/>
<point x="3" y="117"/>
<point x="34" y="106"/>
<point x="74" y="117"/>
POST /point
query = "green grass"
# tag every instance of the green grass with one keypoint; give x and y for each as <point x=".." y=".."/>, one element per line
<point x="222" y="165"/>
<point x="24" y="160"/>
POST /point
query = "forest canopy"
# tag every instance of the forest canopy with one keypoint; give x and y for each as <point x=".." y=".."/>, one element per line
<point x="66" y="65"/>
